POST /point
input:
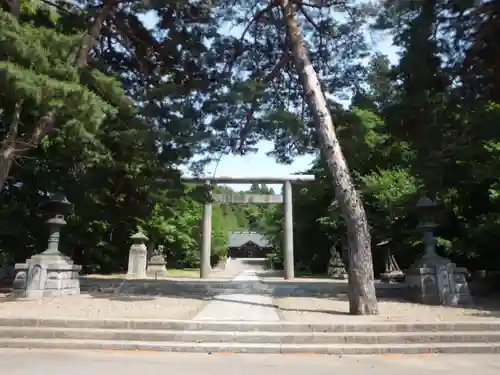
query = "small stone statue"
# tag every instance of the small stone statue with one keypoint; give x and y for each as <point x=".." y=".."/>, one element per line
<point x="157" y="265"/>
<point x="158" y="251"/>
<point x="336" y="267"/>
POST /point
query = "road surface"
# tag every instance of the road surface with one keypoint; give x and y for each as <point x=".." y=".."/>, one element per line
<point x="29" y="362"/>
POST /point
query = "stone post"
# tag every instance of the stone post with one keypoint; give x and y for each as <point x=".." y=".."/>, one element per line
<point x="137" y="257"/>
<point x="433" y="279"/>
<point x="288" y="231"/>
<point x="206" y="239"/>
<point x="49" y="273"/>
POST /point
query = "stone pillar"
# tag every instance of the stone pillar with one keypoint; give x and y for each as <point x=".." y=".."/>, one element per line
<point x="49" y="274"/>
<point x="206" y="239"/>
<point x="137" y="256"/>
<point x="288" y="231"/>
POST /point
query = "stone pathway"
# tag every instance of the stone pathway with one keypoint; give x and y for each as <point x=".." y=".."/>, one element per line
<point x="29" y="362"/>
<point x="240" y="307"/>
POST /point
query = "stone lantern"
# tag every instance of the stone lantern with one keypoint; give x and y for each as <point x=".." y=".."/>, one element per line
<point x="427" y="210"/>
<point x="433" y="279"/>
<point x="57" y="208"/>
<point x="137" y="258"/>
<point x="50" y="273"/>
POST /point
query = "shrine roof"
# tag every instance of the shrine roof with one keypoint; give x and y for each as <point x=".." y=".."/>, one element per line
<point x="238" y="239"/>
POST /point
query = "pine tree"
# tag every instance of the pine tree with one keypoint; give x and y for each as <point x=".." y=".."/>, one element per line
<point x="45" y="86"/>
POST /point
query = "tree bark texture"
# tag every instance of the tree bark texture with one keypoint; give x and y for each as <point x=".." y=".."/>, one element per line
<point x="362" y="297"/>
<point x="9" y="151"/>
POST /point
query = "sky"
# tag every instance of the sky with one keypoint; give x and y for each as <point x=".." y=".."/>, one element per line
<point x="259" y="164"/>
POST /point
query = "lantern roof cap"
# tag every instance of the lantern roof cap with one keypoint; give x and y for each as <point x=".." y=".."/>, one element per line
<point x="139" y="236"/>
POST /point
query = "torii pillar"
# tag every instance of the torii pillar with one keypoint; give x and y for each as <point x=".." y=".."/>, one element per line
<point x="286" y="199"/>
<point x="206" y="233"/>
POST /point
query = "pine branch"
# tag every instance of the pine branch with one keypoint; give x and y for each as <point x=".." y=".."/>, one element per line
<point x="48" y="121"/>
<point x="256" y="18"/>
<point x="309" y="18"/>
<point x="285" y="59"/>
<point x="14" y="126"/>
<point x="93" y="33"/>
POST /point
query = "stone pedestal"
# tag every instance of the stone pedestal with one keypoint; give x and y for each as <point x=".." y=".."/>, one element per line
<point x="157" y="266"/>
<point x="49" y="274"/>
<point x="46" y="275"/>
<point x="336" y="267"/>
<point x="435" y="280"/>
<point x="137" y="257"/>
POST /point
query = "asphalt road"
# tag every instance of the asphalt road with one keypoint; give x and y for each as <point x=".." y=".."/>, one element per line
<point x="29" y="362"/>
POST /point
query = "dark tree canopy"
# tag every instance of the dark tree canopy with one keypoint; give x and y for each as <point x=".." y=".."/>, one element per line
<point x="110" y="110"/>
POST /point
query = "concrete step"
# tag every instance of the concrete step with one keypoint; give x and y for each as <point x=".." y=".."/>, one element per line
<point x="250" y="326"/>
<point x="338" y="349"/>
<point x="299" y="338"/>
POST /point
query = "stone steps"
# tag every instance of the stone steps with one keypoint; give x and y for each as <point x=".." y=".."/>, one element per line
<point x="251" y="337"/>
<point x="255" y="337"/>
<point x="212" y="347"/>
<point x="249" y="326"/>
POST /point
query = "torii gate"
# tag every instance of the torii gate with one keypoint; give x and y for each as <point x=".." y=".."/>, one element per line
<point x="286" y="198"/>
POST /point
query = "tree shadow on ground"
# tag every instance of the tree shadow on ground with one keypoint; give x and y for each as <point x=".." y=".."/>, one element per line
<point x="484" y="305"/>
<point x="144" y="297"/>
<point x="222" y="298"/>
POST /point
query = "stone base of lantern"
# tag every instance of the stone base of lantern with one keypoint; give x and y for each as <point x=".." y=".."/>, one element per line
<point x="157" y="267"/>
<point x="435" y="280"/>
<point x="46" y="275"/>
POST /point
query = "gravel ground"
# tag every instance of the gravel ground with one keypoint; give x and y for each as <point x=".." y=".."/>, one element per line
<point x="330" y="310"/>
<point x="102" y="306"/>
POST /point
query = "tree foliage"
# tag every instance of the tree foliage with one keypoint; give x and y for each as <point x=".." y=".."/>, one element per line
<point x="168" y="84"/>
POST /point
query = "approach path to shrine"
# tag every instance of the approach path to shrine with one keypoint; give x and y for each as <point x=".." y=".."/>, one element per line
<point x="247" y="307"/>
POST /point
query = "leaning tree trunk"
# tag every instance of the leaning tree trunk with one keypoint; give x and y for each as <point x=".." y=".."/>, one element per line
<point x="9" y="151"/>
<point x="362" y="298"/>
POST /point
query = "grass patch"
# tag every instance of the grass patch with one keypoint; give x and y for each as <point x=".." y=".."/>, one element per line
<point x="172" y="272"/>
<point x="106" y="276"/>
<point x="183" y="272"/>
<point x="309" y="275"/>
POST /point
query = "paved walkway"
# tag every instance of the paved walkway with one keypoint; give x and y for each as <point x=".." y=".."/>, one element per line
<point x="29" y="362"/>
<point x="249" y="307"/>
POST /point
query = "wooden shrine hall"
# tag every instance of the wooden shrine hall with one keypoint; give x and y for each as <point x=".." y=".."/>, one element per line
<point x="247" y="245"/>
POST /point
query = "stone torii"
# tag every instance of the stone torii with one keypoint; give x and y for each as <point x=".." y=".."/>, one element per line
<point x="286" y="198"/>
